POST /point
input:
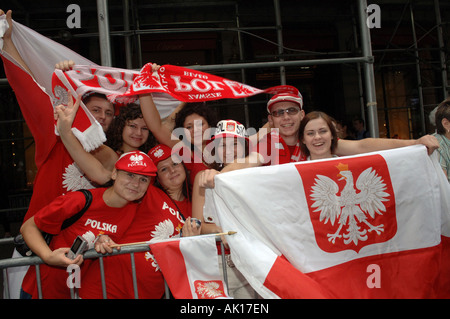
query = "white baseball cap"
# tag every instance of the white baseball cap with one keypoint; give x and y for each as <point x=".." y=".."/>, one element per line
<point x="230" y="128"/>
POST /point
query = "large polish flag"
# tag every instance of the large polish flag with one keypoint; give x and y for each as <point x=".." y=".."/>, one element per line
<point x="375" y="225"/>
<point x="190" y="267"/>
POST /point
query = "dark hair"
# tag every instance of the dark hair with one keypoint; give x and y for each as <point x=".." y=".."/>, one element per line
<point x="442" y="112"/>
<point x="87" y="96"/>
<point x="115" y="130"/>
<point x="186" y="190"/>
<point x="312" y="116"/>
<point x="195" y="108"/>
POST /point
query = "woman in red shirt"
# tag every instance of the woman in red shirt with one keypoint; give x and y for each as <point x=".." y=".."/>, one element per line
<point x="111" y="212"/>
<point x="172" y="178"/>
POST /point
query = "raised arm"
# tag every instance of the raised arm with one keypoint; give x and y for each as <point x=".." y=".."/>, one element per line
<point x="350" y="147"/>
<point x="97" y="166"/>
<point x="8" y="44"/>
<point x="153" y="120"/>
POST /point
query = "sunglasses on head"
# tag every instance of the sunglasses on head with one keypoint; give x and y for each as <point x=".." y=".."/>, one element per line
<point x="289" y="111"/>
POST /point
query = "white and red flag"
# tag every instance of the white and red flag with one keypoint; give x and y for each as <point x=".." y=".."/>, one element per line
<point x="375" y="225"/>
<point x="169" y="85"/>
<point x="190" y="267"/>
<point x="37" y="94"/>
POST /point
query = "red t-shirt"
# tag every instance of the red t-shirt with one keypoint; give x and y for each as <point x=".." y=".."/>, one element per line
<point x="157" y="217"/>
<point x="275" y="150"/>
<point x="98" y="219"/>
<point x="65" y="177"/>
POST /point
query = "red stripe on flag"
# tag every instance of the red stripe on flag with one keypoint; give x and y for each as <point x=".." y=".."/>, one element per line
<point x="287" y="282"/>
<point x="406" y="274"/>
<point x="36" y="108"/>
<point x="444" y="278"/>
<point x="410" y="274"/>
<point x="171" y="262"/>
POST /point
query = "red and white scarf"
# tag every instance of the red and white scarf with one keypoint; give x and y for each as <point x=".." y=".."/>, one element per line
<point x="123" y="86"/>
<point x="189" y="85"/>
<point x="169" y="86"/>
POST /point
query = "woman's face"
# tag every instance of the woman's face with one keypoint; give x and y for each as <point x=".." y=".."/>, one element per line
<point x="130" y="186"/>
<point x="317" y="137"/>
<point x="171" y="175"/>
<point x="196" y="125"/>
<point x="228" y="149"/>
<point x="134" y="135"/>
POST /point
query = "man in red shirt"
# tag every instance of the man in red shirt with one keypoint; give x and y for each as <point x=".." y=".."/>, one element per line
<point x="282" y="145"/>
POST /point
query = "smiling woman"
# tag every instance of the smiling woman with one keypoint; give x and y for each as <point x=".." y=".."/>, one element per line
<point x="317" y="135"/>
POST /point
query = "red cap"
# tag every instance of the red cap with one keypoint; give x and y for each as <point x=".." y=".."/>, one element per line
<point x="298" y="99"/>
<point x="159" y="153"/>
<point x="136" y="162"/>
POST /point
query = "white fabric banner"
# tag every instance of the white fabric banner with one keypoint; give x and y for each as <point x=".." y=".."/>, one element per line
<point x="321" y="214"/>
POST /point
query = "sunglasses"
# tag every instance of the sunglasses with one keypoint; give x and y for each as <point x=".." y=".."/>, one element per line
<point x="289" y="111"/>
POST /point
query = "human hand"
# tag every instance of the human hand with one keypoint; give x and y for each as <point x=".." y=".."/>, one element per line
<point x="58" y="257"/>
<point x="65" y="115"/>
<point x="430" y="142"/>
<point x="8" y="32"/>
<point x="65" y="65"/>
<point x="206" y="179"/>
<point x="155" y="67"/>
<point x="191" y="228"/>
<point x="103" y="245"/>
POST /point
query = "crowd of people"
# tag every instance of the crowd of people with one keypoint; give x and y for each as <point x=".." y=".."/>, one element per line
<point x="141" y="175"/>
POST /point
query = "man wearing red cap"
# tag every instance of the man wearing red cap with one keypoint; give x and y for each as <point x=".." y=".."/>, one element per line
<point x="282" y="145"/>
<point x="111" y="212"/>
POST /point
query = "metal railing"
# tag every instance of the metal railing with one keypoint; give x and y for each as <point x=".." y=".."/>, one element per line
<point x="90" y="254"/>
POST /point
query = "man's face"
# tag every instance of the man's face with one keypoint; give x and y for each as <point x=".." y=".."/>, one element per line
<point x="288" y="124"/>
<point x="102" y="110"/>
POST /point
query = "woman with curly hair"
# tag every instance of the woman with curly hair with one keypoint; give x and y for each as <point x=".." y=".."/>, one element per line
<point x="128" y="131"/>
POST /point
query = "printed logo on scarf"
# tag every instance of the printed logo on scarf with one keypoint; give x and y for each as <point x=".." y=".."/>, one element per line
<point x="351" y="202"/>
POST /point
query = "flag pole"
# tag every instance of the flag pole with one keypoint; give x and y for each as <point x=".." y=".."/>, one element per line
<point x="231" y="232"/>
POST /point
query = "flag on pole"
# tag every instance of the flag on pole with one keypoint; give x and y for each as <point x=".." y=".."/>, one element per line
<point x="368" y="226"/>
<point x="190" y="267"/>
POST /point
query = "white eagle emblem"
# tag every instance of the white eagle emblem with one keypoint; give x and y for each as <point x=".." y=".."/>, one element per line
<point x="137" y="159"/>
<point x="351" y="208"/>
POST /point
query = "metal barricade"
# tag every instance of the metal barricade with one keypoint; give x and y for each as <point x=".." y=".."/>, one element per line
<point x="90" y="254"/>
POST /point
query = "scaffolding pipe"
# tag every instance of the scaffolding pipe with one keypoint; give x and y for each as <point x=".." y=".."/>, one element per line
<point x="276" y="4"/>
<point x="257" y="65"/>
<point x="441" y="50"/>
<point x="103" y="30"/>
<point x="241" y="57"/>
<point x="126" y="27"/>
<point x="358" y="67"/>
<point x="369" y="77"/>
<point x="418" y="73"/>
